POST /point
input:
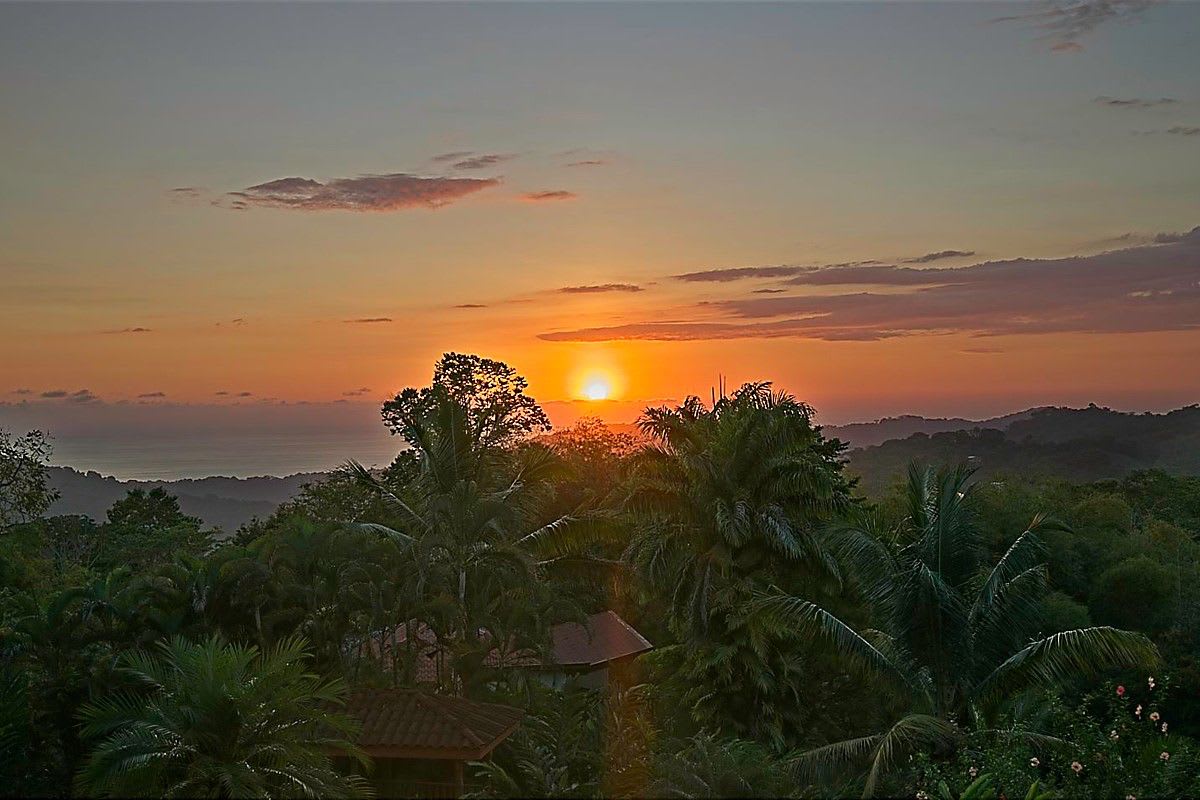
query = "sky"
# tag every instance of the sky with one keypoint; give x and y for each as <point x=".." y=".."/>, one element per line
<point x="209" y="213"/>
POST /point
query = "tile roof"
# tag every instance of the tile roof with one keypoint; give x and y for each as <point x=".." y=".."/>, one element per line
<point x="603" y="638"/>
<point x="600" y="639"/>
<point x="407" y="723"/>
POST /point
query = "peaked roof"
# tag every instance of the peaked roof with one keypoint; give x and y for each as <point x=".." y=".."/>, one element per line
<point x="406" y="723"/>
<point x="603" y="638"/>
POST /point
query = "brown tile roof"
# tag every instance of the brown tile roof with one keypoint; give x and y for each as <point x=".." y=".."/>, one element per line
<point x="600" y="639"/>
<point x="603" y="638"/>
<point x="407" y="723"/>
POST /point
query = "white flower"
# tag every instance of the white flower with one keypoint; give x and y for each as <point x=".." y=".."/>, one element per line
<point x="1138" y="711"/>
<point x="1034" y="762"/>
<point x="922" y="795"/>
<point x="1164" y="755"/>
<point x="1164" y="727"/>
<point x="1075" y="765"/>
<point x="973" y="771"/>
<point x="1154" y="716"/>
<point x="1150" y="681"/>
<point x="1114" y="736"/>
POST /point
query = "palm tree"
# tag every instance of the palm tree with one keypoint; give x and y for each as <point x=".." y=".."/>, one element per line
<point x="470" y="521"/>
<point x="726" y="501"/>
<point x="729" y="491"/>
<point x="953" y="640"/>
<point x="219" y="720"/>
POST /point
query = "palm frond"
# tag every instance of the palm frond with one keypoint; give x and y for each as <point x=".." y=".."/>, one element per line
<point x="1082" y="652"/>
<point x="811" y="619"/>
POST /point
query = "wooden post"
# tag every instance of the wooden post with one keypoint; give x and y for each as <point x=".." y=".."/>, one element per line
<point x="458" y="778"/>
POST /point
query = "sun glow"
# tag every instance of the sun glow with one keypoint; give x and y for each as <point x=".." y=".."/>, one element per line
<point x="597" y="388"/>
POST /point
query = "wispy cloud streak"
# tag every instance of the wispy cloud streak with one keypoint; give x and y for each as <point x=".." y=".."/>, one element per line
<point x="1155" y="287"/>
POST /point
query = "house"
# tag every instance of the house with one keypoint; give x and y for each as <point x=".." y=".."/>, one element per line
<point x="420" y="742"/>
<point x="589" y="652"/>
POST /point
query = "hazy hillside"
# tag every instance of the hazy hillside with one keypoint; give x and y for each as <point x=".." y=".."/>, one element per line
<point x="866" y="434"/>
<point x="1076" y="444"/>
<point x="219" y="501"/>
<point x="1084" y="444"/>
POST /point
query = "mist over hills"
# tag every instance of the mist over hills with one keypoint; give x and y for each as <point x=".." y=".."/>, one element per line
<point x="1076" y="444"/>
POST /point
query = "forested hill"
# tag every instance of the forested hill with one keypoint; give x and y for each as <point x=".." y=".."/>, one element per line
<point x="866" y="434"/>
<point x="1083" y="444"/>
<point x="221" y="502"/>
<point x="1078" y="445"/>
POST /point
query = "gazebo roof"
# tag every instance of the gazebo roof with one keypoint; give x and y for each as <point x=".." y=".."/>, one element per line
<point x="407" y="723"/>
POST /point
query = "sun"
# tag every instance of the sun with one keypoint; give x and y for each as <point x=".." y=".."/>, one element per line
<point x="596" y="389"/>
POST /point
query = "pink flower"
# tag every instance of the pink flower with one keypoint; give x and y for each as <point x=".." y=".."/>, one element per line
<point x="1120" y="691"/>
<point x="1075" y="765"/>
<point x="1154" y="716"/>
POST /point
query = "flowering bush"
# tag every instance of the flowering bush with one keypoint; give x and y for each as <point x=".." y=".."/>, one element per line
<point x="1109" y="743"/>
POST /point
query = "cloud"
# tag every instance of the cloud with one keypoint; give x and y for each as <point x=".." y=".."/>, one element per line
<point x="245" y="394"/>
<point x="367" y="320"/>
<point x="938" y="256"/>
<point x="130" y="330"/>
<point x="356" y="392"/>
<point x="221" y="394"/>
<point x="22" y="391"/>
<point x="1064" y="22"/>
<point x="150" y="395"/>
<point x="471" y="305"/>
<point x="801" y="274"/>
<point x="600" y="288"/>
<point x="455" y="156"/>
<point x="1134" y="102"/>
<point x="1174" y="130"/>
<point x="589" y="162"/>
<point x="391" y="192"/>
<point x="549" y="195"/>
<point x="81" y="397"/>
<point x="737" y="273"/>
<point x="483" y="161"/>
<point x="1153" y="287"/>
<point x="768" y="291"/>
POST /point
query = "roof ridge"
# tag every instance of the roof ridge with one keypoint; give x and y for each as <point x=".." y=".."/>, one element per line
<point x="445" y="706"/>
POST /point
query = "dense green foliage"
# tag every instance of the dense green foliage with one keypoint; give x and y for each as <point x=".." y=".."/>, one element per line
<point x="949" y="635"/>
<point x="1074" y="444"/>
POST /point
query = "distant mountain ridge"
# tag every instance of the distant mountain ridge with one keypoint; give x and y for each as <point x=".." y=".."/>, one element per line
<point x="1075" y="444"/>
<point x="222" y="502"/>
<point x="866" y="434"/>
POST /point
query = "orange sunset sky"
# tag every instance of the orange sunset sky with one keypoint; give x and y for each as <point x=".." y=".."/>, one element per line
<point x="883" y="207"/>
